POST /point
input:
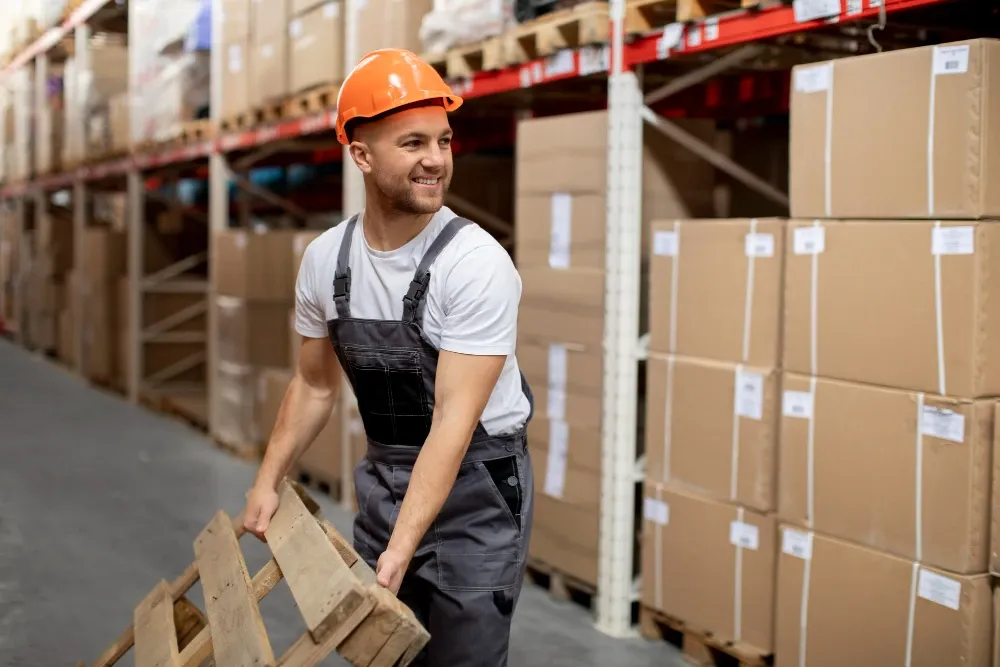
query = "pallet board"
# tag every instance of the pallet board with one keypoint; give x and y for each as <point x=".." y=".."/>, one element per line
<point x="645" y="15"/>
<point x="700" y="648"/>
<point x="311" y="101"/>
<point x="343" y="609"/>
<point x="562" y="587"/>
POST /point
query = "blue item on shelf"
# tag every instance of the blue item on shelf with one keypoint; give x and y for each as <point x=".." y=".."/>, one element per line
<point x="199" y="36"/>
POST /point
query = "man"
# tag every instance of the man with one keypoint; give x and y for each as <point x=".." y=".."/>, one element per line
<point x="421" y="309"/>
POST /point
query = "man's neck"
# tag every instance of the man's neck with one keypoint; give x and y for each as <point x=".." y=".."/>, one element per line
<point x="386" y="230"/>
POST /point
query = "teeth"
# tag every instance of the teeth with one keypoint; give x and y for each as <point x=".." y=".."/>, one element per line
<point x="426" y="181"/>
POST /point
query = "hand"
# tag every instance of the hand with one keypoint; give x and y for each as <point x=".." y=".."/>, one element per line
<point x="390" y="569"/>
<point x="262" y="503"/>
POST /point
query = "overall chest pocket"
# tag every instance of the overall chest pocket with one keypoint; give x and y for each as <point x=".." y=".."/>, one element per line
<point x="392" y="394"/>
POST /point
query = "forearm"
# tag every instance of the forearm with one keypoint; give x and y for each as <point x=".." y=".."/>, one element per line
<point x="431" y="481"/>
<point x="304" y="411"/>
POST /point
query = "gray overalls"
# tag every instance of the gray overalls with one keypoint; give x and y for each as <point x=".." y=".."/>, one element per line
<point x="465" y="576"/>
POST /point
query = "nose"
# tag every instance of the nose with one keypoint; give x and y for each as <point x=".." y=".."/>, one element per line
<point x="434" y="158"/>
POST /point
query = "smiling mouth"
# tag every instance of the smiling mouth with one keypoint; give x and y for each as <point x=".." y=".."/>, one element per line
<point x="426" y="181"/>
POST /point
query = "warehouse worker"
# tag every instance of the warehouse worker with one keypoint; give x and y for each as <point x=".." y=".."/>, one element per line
<point x="421" y="309"/>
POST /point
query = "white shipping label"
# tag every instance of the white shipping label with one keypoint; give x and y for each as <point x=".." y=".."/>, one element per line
<point x="813" y="79"/>
<point x="235" y="53"/>
<point x="694" y="36"/>
<point x="797" y="543"/>
<point x="951" y="59"/>
<point x="331" y="10"/>
<point x="562" y="212"/>
<point x="557" y="366"/>
<point x="854" y="7"/>
<point x="953" y="240"/>
<point x="555" y="468"/>
<point x="744" y="535"/>
<point x="267" y="51"/>
<point x="241" y="240"/>
<point x="759" y="245"/>
<point x="295" y="28"/>
<point x="656" y="511"/>
<point x="943" y="423"/>
<point x="557" y="403"/>
<point x="945" y="591"/>
<point x="797" y="404"/>
<point x="665" y="243"/>
<point x="749" y="394"/>
<point x="711" y="29"/>
<point x="809" y="240"/>
<point x="594" y="59"/>
<point x="811" y="10"/>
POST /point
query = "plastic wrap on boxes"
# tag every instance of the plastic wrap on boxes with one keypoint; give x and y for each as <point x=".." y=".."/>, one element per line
<point x="456" y="22"/>
<point x="237" y="396"/>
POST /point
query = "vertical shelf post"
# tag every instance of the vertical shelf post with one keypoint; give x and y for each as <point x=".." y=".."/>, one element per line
<point x="621" y="339"/>
<point x="218" y="211"/>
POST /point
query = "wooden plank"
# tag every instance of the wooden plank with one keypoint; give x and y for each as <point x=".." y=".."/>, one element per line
<point x="329" y="596"/>
<point x="365" y="643"/>
<point x="238" y="634"/>
<point x="155" y="632"/>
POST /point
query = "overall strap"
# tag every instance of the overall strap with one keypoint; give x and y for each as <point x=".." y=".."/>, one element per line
<point x="342" y="276"/>
<point x="413" y="301"/>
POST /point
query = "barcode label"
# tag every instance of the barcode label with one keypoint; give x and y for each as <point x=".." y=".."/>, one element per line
<point x="951" y="59"/>
<point x="797" y="543"/>
<point x="812" y="10"/>
<point x="809" y="240"/>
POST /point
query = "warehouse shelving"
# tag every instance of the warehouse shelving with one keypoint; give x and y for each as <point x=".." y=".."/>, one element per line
<point x="627" y="65"/>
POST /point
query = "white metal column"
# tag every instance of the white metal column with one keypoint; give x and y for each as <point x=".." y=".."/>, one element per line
<point x="621" y="340"/>
<point x="218" y="212"/>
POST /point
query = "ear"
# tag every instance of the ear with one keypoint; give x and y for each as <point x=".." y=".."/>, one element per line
<point x="361" y="155"/>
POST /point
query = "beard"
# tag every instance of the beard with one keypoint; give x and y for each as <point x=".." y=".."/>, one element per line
<point x="401" y="194"/>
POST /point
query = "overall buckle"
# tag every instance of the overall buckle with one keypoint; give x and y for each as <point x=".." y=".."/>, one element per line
<point x="342" y="285"/>
<point x="418" y="287"/>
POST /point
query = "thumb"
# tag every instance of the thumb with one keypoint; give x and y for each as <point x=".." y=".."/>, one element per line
<point x="382" y="577"/>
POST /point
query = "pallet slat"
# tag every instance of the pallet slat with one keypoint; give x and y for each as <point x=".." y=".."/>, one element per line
<point x="238" y="634"/>
<point x="700" y="648"/>
<point x="155" y="632"/>
<point x="306" y="556"/>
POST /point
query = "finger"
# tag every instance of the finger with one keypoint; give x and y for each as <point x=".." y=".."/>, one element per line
<point x="383" y="579"/>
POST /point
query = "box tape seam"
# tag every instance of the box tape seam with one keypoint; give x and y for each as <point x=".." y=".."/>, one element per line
<point x="939" y="317"/>
<point x="911" y="617"/>
<point x="668" y="416"/>
<point x="804" y="608"/>
<point x="658" y="550"/>
<point x="919" y="485"/>
<point x="811" y="460"/>
<point x="931" y="119"/>
<point x="747" y="319"/>
<point x="738" y="587"/>
<point x="814" y="309"/>
<point x="674" y="279"/>
<point x="668" y="419"/>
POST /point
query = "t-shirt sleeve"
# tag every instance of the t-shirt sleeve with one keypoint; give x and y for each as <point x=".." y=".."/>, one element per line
<point x="482" y="293"/>
<point x="310" y="316"/>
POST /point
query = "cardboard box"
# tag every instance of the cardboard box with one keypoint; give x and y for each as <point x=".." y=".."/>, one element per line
<point x="566" y="381"/>
<point x="865" y="608"/>
<point x="564" y="305"/>
<point x="899" y="304"/>
<point x="267" y="17"/>
<point x="995" y="504"/>
<point x="726" y="277"/>
<point x="562" y="188"/>
<point x="236" y="94"/>
<point x="105" y="255"/>
<point x="299" y="245"/>
<point x="237" y="396"/>
<point x="299" y="7"/>
<point x="567" y="465"/>
<point x="252" y="265"/>
<point x="236" y="21"/>
<point x="269" y="68"/>
<point x="712" y="429"/>
<point x="316" y="47"/>
<point x="933" y="153"/>
<point x="710" y="565"/>
<point x="877" y="481"/>
<point x="253" y="333"/>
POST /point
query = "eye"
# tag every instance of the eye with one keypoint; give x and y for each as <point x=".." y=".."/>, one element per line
<point x="412" y="143"/>
<point x="446" y="141"/>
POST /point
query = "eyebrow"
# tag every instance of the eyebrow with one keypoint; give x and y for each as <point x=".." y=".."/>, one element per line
<point x="423" y="135"/>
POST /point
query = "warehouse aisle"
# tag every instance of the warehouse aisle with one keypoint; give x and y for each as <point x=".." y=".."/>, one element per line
<point x="99" y="500"/>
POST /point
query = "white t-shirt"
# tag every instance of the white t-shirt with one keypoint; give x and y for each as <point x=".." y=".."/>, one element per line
<point x="470" y="306"/>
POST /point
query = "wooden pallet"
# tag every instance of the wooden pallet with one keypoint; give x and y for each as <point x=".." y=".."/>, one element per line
<point x="586" y="23"/>
<point x="244" y="120"/>
<point x="700" y="648"/>
<point x="562" y="587"/>
<point x="343" y="609"/>
<point x="193" y="131"/>
<point x="644" y="15"/>
<point x="313" y="100"/>
<point x="330" y="488"/>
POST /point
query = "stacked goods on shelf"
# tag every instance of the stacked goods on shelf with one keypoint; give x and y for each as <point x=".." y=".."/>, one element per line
<point x="234" y="40"/>
<point x="87" y="92"/>
<point x="890" y="317"/>
<point x="94" y="308"/>
<point x="561" y="176"/>
<point x="10" y="249"/>
<point x="169" y="77"/>
<point x="20" y="142"/>
<point x="713" y="377"/>
<point x="23" y="23"/>
<point x="51" y="121"/>
<point x="268" y="52"/>
<point x="315" y="44"/>
<point x="254" y="284"/>
<point x="453" y="23"/>
<point x="45" y="295"/>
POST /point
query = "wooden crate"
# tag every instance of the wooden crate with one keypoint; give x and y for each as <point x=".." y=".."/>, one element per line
<point x="645" y="15"/>
<point x="343" y="609"/>
<point x="700" y="648"/>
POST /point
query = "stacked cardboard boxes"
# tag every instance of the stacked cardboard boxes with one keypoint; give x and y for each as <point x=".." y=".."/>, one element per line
<point x="315" y="44"/>
<point x="561" y="174"/>
<point x="713" y="391"/>
<point x="254" y="288"/>
<point x="10" y="249"/>
<point x="889" y="327"/>
<point x="47" y="279"/>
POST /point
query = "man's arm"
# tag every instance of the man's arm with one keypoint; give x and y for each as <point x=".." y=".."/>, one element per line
<point x="463" y="385"/>
<point x="305" y="409"/>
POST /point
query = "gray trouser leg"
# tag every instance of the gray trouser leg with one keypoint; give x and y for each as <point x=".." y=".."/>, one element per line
<point x="470" y="628"/>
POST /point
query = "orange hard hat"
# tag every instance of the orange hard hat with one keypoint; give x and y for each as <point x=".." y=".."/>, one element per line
<point x="388" y="79"/>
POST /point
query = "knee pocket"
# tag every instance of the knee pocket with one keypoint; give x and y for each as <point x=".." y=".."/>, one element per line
<point x="504" y="601"/>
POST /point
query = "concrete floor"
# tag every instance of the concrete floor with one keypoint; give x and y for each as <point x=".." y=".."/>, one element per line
<point x="100" y="499"/>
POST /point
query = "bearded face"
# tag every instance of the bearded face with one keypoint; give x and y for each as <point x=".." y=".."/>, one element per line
<point x="409" y="158"/>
